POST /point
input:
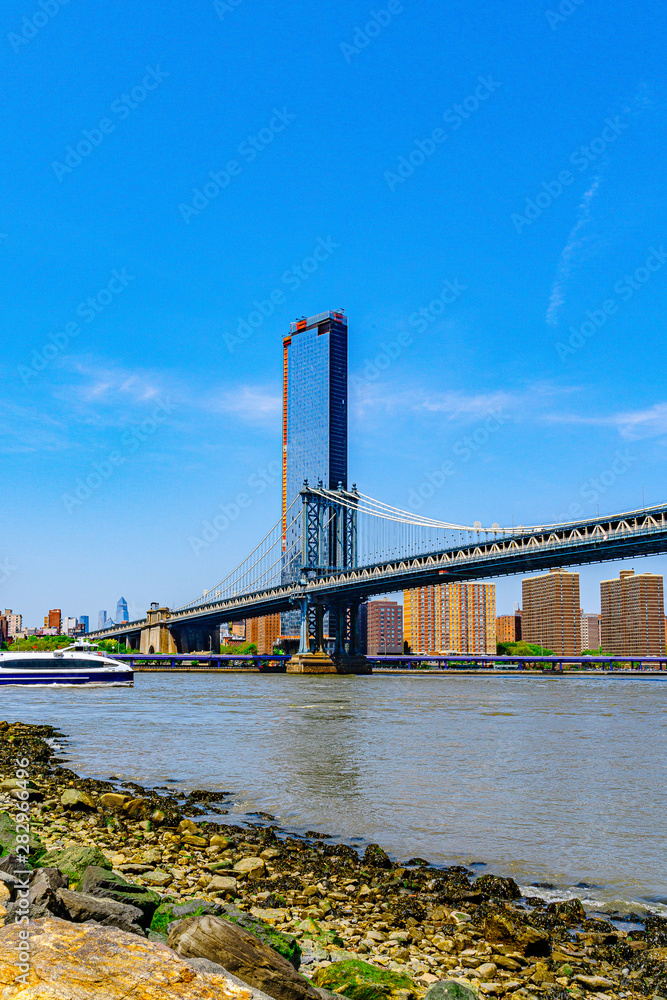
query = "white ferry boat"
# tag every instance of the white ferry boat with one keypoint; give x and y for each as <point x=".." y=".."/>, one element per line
<point x="80" y="663"/>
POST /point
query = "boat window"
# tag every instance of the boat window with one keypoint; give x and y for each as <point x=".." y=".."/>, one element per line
<point x="50" y="664"/>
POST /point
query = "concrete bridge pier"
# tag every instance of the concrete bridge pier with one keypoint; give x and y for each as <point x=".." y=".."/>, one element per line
<point x="311" y="657"/>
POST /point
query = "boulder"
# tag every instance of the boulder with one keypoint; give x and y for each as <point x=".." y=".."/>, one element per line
<point x="242" y="954"/>
<point x="449" y="989"/>
<point x="42" y="895"/>
<point x="169" y="913"/>
<point x="8" y="837"/>
<point x="90" y="962"/>
<point x="139" y="808"/>
<point x="570" y="911"/>
<point x="250" y="867"/>
<point x="362" y="981"/>
<point x="158" y="878"/>
<point x="107" y="885"/>
<point x="73" y="861"/>
<point x="499" y="888"/>
<point x="506" y="927"/>
<point x="284" y="944"/>
<point x="223" y="884"/>
<point x="74" y="798"/>
<point x="80" y="907"/>
<point x="113" y="802"/>
<point x="375" y="856"/>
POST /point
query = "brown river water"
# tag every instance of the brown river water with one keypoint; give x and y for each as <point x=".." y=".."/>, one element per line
<point x="554" y="780"/>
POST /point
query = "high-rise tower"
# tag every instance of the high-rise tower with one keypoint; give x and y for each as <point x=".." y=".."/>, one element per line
<point x="314" y="424"/>
<point x="121" y="611"/>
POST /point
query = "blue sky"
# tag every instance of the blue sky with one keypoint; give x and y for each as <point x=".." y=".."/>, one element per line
<point x="484" y="181"/>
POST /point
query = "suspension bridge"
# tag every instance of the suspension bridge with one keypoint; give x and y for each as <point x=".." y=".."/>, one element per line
<point x="333" y="549"/>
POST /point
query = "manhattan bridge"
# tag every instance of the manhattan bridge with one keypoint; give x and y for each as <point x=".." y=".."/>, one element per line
<point x="332" y="549"/>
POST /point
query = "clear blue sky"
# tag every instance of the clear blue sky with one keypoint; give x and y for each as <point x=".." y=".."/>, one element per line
<point x="495" y="164"/>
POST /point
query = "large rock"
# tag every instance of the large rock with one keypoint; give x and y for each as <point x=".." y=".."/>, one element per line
<point x="80" y="907"/>
<point x="375" y="856"/>
<point x="74" y="798"/>
<point x="88" y="962"/>
<point x="73" y="861"/>
<point x="500" y="888"/>
<point x="104" y="884"/>
<point x="8" y="834"/>
<point x="284" y="944"/>
<point x="169" y="913"/>
<point x="42" y="894"/>
<point x="240" y="953"/>
<point x="505" y="926"/>
<point x="449" y="989"/>
<point x="362" y="981"/>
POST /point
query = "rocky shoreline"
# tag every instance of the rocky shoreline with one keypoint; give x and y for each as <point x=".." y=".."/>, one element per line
<point x="362" y="927"/>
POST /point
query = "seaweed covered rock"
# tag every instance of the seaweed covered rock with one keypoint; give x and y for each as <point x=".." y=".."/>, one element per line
<point x="8" y="835"/>
<point x="104" y="884"/>
<point x="73" y="861"/>
<point x="242" y="954"/>
<point x="284" y="944"/>
<point x="362" y="981"/>
<point x="497" y="887"/>
<point x="506" y="926"/>
<point x="376" y="857"/>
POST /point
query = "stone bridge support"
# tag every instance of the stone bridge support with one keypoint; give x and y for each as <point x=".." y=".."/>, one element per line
<point x="156" y="636"/>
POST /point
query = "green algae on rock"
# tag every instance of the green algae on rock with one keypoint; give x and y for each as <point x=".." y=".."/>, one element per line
<point x="362" y="981"/>
<point x="73" y="861"/>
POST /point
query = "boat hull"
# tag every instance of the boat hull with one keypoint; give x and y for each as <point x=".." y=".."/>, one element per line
<point x="46" y="678"/>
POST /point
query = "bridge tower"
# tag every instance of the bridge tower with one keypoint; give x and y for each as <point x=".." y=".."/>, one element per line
<point x="329" y="545"/>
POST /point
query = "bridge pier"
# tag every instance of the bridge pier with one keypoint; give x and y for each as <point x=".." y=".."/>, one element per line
<point x="156" y="636"/>
<point x="197" y="639"/>
<point x="311" y="657"/>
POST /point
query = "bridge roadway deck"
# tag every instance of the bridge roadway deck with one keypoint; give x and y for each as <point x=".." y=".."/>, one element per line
<point x="622" y="536"/>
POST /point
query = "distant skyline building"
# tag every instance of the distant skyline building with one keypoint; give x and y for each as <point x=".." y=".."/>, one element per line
<point x="101" y="619"/>
<point x="633" y="614"/>
<point x="314" y="424"/>
<point x="551" y="612"/>
<point x="508" y="628"/>
<point x="451" y="617"/>
<point x="14" y="622"/>
<point x="121" y="611"/>
<point x="590" y="631"/>
<point x="68" y="625"/>
<point x="381" y="628"/>
<point x="263" y="631"/>
<point x="85" y="621"/>
<point x="53" y="619"/>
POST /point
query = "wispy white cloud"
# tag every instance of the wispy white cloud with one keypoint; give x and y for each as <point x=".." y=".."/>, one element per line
<point x="577" y="248"/>
<point x="455" y="406"/>
<point x="632" y="425"/>
<point x="251" y="404"/>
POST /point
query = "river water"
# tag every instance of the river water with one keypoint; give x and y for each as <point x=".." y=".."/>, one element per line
<point x="550" y="780"/>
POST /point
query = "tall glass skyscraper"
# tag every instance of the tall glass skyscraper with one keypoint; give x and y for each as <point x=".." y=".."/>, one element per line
<point x="314" y="423"/>
<point x="121" y="611"/>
